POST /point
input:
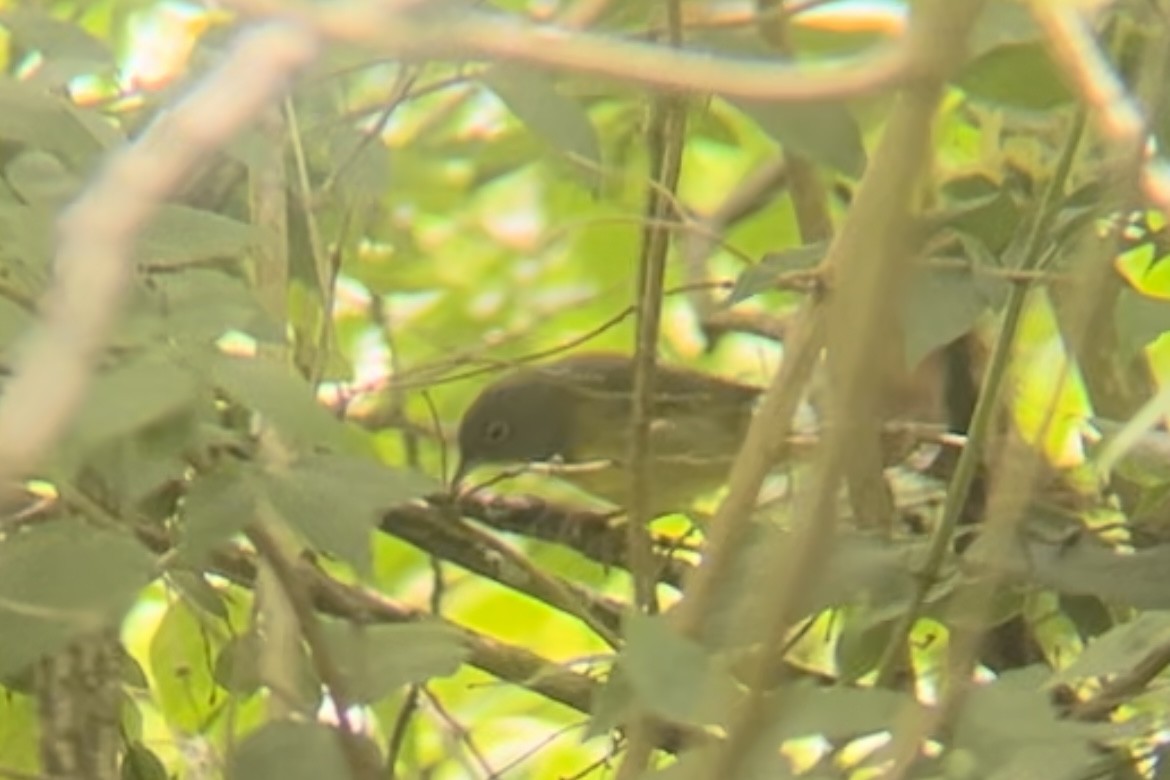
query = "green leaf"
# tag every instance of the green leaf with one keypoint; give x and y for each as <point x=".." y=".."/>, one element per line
<point x="32" y="28"/>
<point x="179" y="235"/>
<point x="562" y="123"/>
<point x="1010" y="724"/>
<point x="1003" y="22"/>
<point x="941" y="305"/>
<point x="196" y="305"/>
<point x="218" y="505"/>
<point x="763" y="276"/>
<point x="376" y="660"/>
<point x="199" y="592"/>
<point x="337" y="500"/>
<point x="40" y="120"/>
<point x="757" y="766"/>
<point x="237" y="670"/>
<point x="1078" y="565"/>
<point x="610" y="705"/>
<point x="826" y="133"/>
<point x="135" y="467"/>
<point x="1139" y="319"/>
<point x="237" y="667"/>
<point x="41" y="179"/>
<point x="132" y="396"/>
<point x="981" y="209"/>
<point x="996" y="77"/>
<point x="837" y="714"/>
<point x="20" y="732"/>
<point x="60" y="580"/>
<point x="288" y="750"/>
<point x="1119" y="649"/>
<point x="282" y="397"/>
<point x="139" y="763"/>
<point x="862" y="571"/>
<point x="674" y="677"/>
<point x="860" y="647"/>
<point x="181" y="654"/>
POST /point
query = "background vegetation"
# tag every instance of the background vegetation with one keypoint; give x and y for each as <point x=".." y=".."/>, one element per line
<point x="255" y="260"/>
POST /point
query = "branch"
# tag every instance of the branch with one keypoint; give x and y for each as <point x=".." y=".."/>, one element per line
<point x="511" y="663"/>
<point x="284" y="569"/>
<point x="867" y="259"/>
<point x="591" y="533"/>
<point x="390" y="27"/>
<point x="428" y="528"/>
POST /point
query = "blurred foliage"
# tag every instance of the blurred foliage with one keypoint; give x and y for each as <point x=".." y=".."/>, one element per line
<point x="445" y="220"/>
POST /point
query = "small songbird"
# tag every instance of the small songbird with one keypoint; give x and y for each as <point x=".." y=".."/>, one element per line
<point x="574" y="417"/>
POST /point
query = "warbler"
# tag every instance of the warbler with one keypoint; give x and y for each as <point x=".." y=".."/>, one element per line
<point x="573" y="417"/>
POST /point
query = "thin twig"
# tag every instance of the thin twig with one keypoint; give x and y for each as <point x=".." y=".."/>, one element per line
<point x="462" y="733"/>
<point x="667" y="140"/>
<point x="402" y="722"/>
<point x="1124" y="686"/>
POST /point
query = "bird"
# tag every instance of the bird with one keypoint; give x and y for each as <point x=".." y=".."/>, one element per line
<point x="573" y="418"/>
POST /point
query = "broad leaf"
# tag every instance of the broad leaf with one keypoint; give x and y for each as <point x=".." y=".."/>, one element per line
<point x="562" y="123"/>
<point x="181" y="654"/>
<point x="218" y="505"/>
<point x="834" y="713"/>
<point x="131" y="397"/>
<point x="196" y="306"/>
<point x="337" y="500"/>
<point x="1139" y="319"/>
<point x="862" y="571"/>
<point x="32" y="28"/>
<point x="674" y="677"/>
<point x="1119" y="649"/>
<point x="826" y="133"/>
<point x="179" y="235"/>
<point x="996" y="78"/>
<point x="1011" y="724"/>
<point x="60" y="580"/>
<point x="283" y="398"/>
<point x="941" y="305"/>
<point x="1077" y="563"/>
<point x="39" y="178"/>
<point x="140" y="763"/>
<point x="237" y="667"/>
<point x="376" y="660"/>
<point x="51" y="123"/>
<point x="764" y="275"/>
<point x="288" y="750"/>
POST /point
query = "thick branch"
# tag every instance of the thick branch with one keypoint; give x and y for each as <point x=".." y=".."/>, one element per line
<point x="388" y="27"/>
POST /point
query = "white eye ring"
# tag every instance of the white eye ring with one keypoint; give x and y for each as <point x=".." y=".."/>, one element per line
<point x="496" y="430"/>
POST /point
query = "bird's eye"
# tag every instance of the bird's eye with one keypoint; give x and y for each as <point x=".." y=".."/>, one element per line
<point x="496" y="430"/>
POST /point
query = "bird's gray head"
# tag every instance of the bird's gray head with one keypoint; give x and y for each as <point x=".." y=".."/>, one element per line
<point x="522" y="418"/>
